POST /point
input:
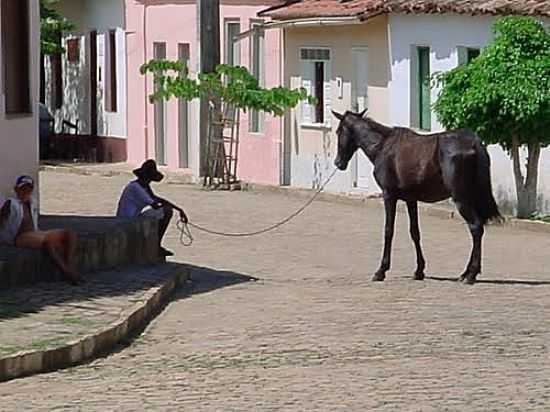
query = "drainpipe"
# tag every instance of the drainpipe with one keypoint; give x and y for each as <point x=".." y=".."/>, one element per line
<point x="145" y="84"/>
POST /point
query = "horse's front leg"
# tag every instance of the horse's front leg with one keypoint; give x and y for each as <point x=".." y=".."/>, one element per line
<point x="390" y="205"/>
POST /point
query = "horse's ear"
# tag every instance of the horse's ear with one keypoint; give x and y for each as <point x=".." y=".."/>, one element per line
<point x="363" y="113"/>
<point x="338" y="115"/>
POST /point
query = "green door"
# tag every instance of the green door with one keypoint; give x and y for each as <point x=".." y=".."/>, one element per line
<point x="424" y="104"/>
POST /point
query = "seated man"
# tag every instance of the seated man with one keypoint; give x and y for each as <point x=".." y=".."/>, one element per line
<point x="19" y="228"/>
<point x="138" y="199"/>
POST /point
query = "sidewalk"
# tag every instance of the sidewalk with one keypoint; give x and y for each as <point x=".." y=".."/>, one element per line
<point x="53" y="325"/>
<point x="444" y="210"/>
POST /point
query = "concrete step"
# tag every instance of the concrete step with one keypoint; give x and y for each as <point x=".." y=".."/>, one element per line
<point x="103" y="243"/>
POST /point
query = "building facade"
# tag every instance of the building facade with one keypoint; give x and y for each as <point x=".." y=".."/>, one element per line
<point x="19" y="74"/>
<point x="86" y="84"/>
<point x="380" y="56"/>
<point x="169" y="131"/>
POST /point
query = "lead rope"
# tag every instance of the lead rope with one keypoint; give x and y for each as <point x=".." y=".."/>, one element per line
<point x="186" y="237"/>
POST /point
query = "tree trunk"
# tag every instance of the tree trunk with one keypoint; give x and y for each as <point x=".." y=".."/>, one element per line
<point x="526" y="187"/>
<point x="209" y="12"/>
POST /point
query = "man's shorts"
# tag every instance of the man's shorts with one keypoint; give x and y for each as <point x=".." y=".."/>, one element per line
<point x="154" y="213"/>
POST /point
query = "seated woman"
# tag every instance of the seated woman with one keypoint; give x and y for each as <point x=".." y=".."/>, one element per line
<point x="19" y="228"/>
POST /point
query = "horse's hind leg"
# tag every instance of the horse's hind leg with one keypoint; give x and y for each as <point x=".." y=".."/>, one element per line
<point x="390" y="206"/>
<point x="477" y="230"/>
<point x="412" y="207"/>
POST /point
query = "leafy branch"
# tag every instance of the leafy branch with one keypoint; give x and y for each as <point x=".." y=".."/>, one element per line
<point x="230" y="84"/>
<point x="52" y="26"/>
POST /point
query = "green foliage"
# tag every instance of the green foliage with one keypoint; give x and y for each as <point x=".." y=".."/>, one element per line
<point x="505" y="92"/>
<point x="52" y="26"/>
<point x="230" y="84"/>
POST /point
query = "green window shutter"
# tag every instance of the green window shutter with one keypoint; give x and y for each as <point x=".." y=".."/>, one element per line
<point x="424" y="104"/>
<point x="308" y="74"/>
<point x="462" y="55"/>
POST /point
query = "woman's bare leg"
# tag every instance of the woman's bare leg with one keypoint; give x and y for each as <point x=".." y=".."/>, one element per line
<point x="58" y="244"/>
<point x="61" y="245"/>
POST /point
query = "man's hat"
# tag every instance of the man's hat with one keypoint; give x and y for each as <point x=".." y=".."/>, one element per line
<point x="149" y="171"/>
<point x="24" y="181"/>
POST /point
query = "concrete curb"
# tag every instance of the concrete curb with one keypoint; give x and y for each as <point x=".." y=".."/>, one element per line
<point x="171" y="176"/>
<point x="88" y="347"/>
<point x="424" y="209"/>
<point x="344" y="198"/>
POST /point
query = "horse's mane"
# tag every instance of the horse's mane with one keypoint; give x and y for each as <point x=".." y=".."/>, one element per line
<point x="379" y="127"/>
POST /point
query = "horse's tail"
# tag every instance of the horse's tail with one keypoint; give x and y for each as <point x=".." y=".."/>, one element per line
<point x="485" y="203"/>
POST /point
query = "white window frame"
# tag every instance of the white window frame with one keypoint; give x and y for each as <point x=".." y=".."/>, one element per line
<point x="327" y="97"/>
<point x="111" y="70"/>
<point x="261" y="115"/>
<point x="227" y="41"/>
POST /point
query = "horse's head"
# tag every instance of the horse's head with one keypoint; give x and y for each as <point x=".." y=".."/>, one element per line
<point x="347" y="139"/>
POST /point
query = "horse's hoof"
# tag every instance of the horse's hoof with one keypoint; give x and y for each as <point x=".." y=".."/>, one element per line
<point x="462" y="277"/>
<point x="469" y="280"/>
<point x="419" y="276"/>
<point x="378" y="277"/>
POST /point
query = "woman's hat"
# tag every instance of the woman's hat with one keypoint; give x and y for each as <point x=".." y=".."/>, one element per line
<point x="149" y="171"/>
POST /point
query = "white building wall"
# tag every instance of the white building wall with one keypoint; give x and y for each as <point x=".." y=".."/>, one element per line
<point x="443" y="34"/>
<point x="311" y="149"/>
<point x="19" y="133"/>
<point x="102" y="16"/>
<point x="111" y="124"/>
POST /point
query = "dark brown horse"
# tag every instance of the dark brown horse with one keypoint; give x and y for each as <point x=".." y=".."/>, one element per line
<point x="427" y="168"/>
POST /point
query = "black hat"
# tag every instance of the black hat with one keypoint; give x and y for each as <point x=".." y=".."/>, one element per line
<point x="149" y="171"/>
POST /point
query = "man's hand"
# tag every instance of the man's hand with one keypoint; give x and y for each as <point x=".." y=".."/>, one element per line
<point x="183" y="217"/>
<point x="5" y="213"/>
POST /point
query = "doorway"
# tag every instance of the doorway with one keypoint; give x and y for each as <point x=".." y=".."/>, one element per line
<point x="359" y="102"/>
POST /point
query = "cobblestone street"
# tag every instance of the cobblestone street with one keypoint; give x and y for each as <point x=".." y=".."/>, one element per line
<point x="313" y="332"/>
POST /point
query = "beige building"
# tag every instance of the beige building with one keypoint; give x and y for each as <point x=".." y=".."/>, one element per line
<point x="343" y="66"/>
<point x="19" y="78"/>
<point x="380" y="55"/>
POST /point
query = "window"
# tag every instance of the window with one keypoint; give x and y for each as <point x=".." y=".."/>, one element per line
<point x="257" y="70"/>
<point x="420" y="88"/>
<point x="467" y="54"/>
<point x="16" y="56"/>
<point x="232" y="46"/>
<point x="159" y="53"/>
<point x="111" y="75"/>
<point x="316" y="81"/>
<point x="73" y="50"/>
<point x="183" y="111"/>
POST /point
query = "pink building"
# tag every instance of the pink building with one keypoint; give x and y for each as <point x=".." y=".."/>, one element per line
<point x="169" y="131"/>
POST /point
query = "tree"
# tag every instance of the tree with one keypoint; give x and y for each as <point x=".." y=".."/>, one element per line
<point x="52" y="26"/>
<point x="230" y="84"/>
<point x="226" y="85"/>
<point x="504" y="96"/>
